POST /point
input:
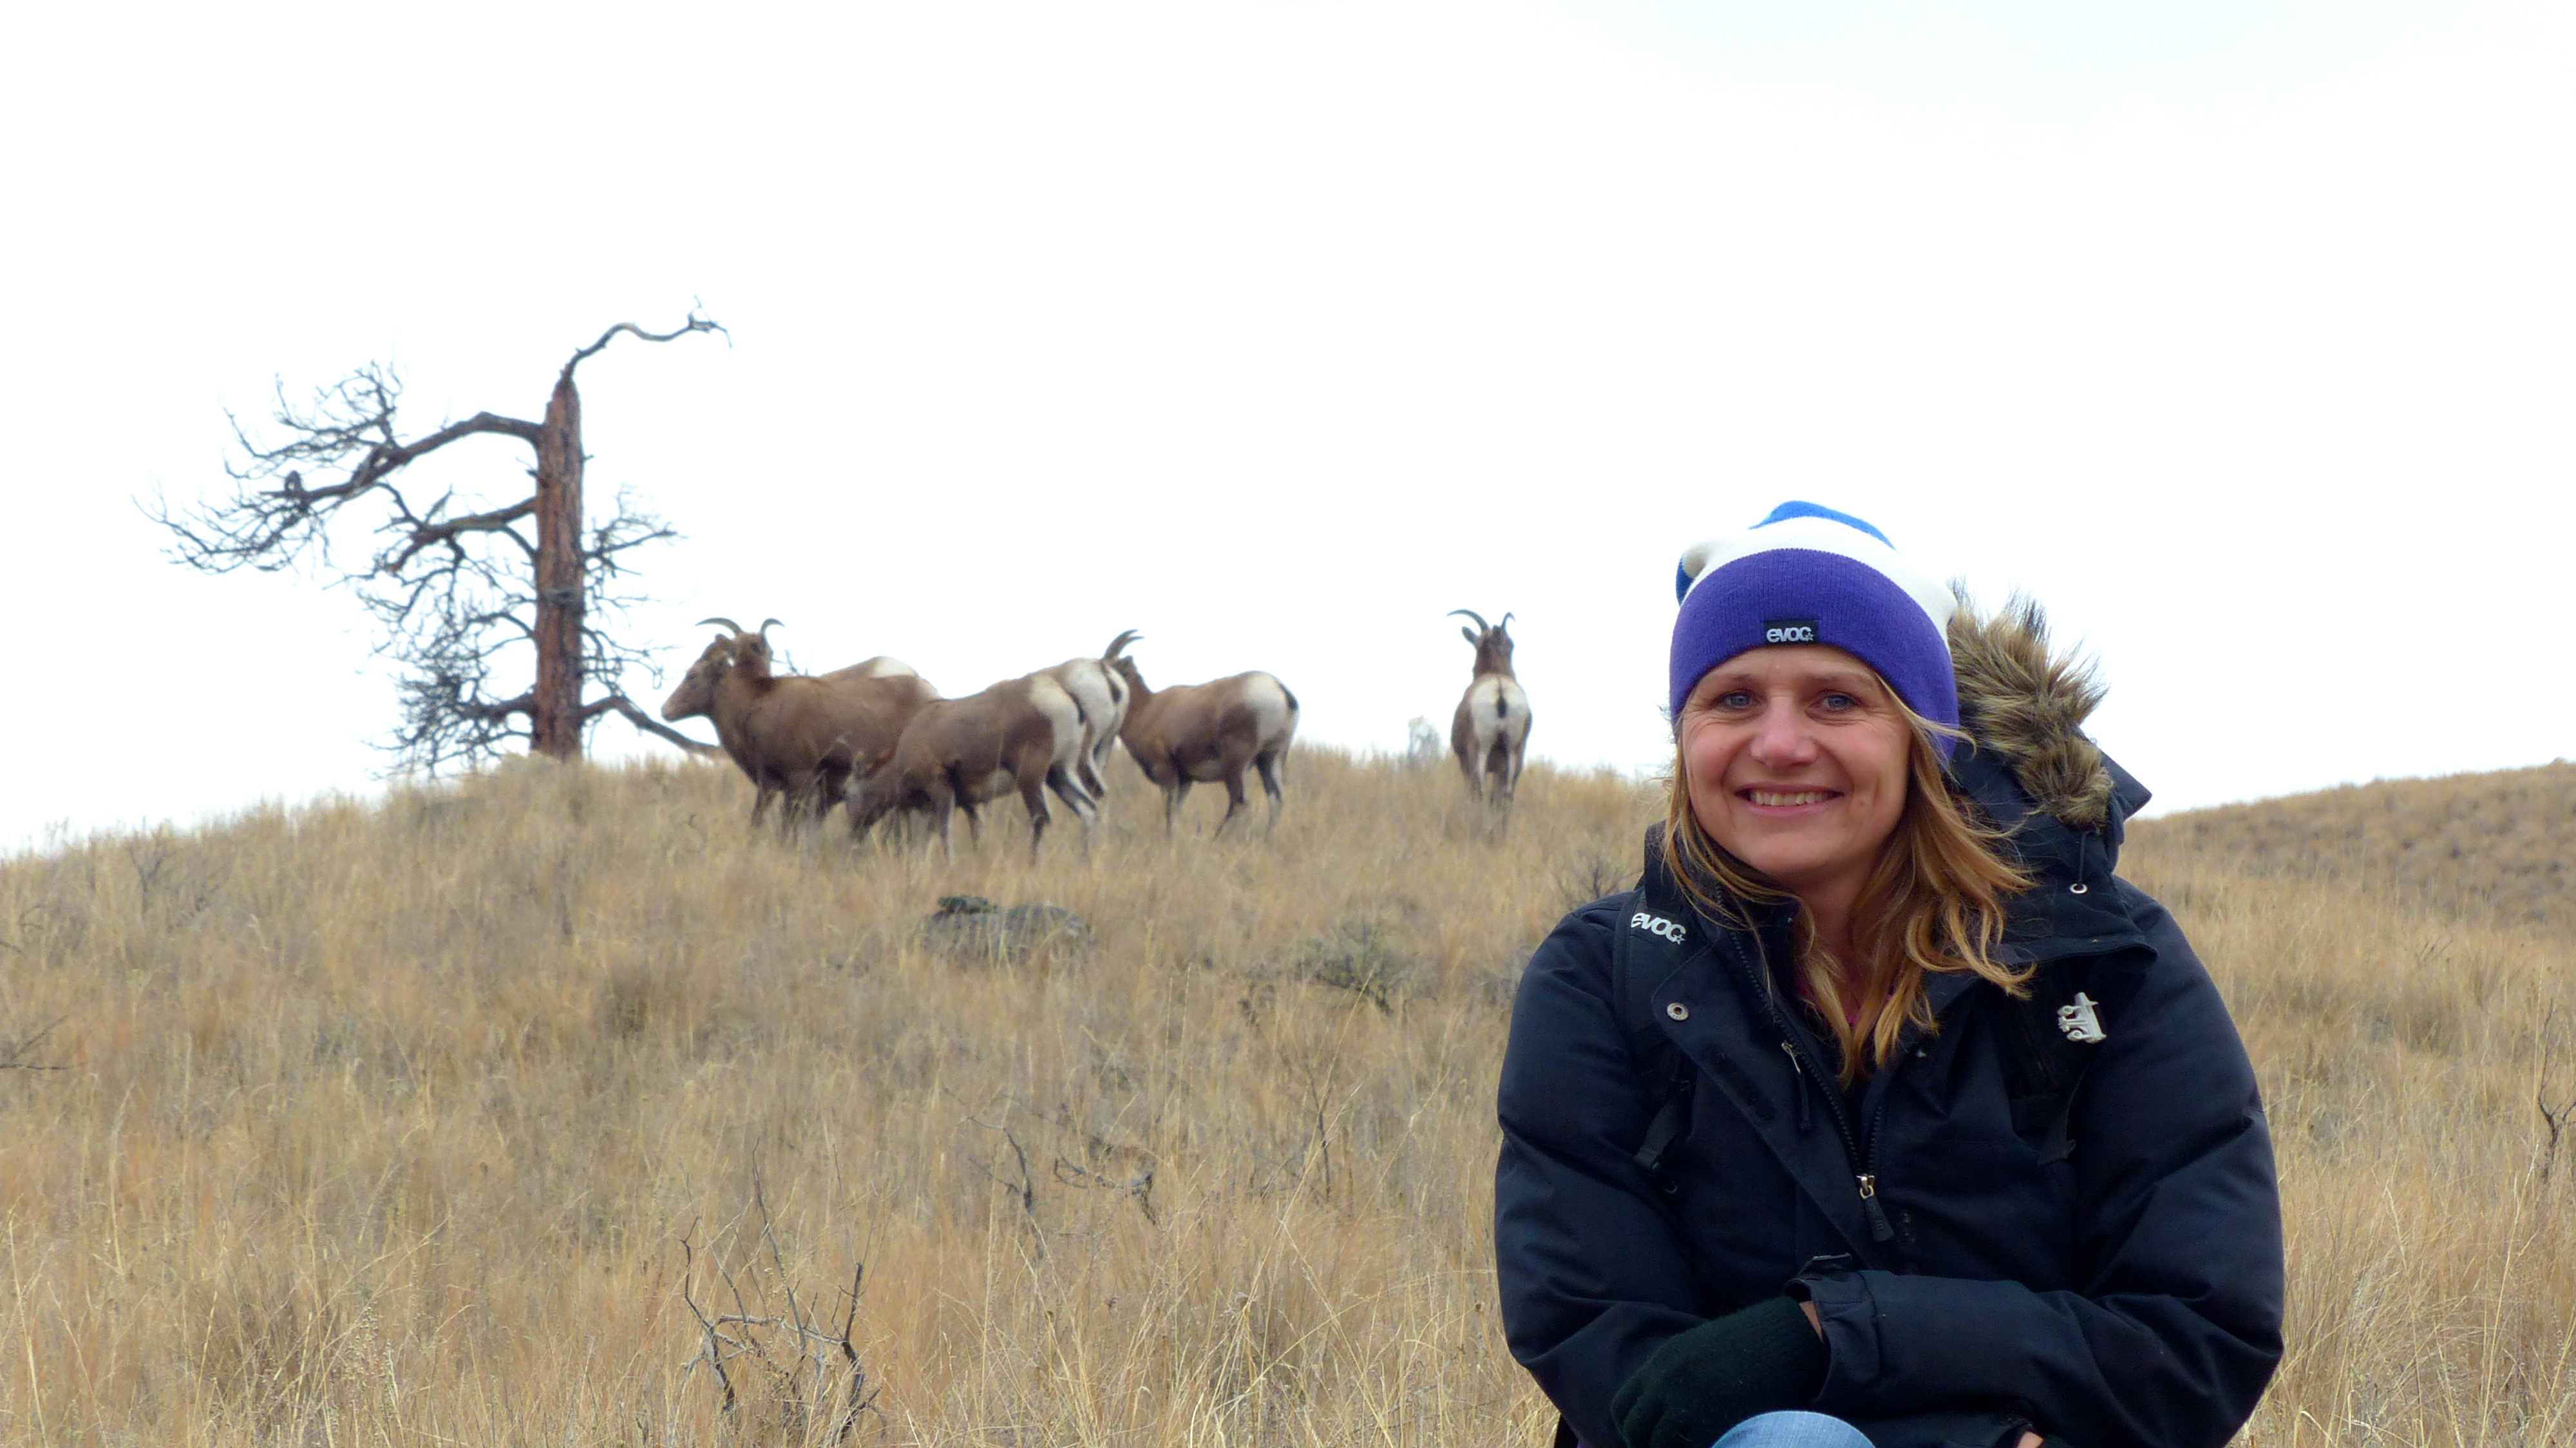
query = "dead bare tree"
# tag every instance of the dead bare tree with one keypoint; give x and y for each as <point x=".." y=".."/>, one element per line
<point x="452" y="592"/>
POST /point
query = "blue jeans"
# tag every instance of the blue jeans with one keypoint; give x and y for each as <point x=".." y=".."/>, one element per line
<point x="1792" y="1430"/>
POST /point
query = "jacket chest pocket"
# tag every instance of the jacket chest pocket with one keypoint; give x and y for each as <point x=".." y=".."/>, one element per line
<point x="1981" y="1203"/>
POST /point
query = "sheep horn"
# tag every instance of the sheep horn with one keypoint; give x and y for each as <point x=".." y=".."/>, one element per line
<point x="728" y="623"/>
<point x="1119" y="644"/>
<point x="1506" y="623"/>
<point x="1478" y="617"/>
<point x="765" y="627"/>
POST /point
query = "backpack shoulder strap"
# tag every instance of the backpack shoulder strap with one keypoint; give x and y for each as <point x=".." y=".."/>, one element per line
<point x="1654" y="937"/>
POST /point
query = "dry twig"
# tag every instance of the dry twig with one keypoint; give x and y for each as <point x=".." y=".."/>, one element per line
<point x="11" y="1056"/>
<point x="811" y="1386"/>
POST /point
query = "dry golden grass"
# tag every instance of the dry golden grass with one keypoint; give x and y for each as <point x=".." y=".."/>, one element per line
<point x="2493" y="847"/>
<point x="387" y="1124"/>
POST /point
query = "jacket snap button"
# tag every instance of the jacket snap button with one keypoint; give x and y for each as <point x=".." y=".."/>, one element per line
<point x="1677" y="1011"/>
<point x="2078" y="888"/>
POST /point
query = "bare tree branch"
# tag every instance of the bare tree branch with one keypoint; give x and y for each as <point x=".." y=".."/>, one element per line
<point x="456" y="588"/>
<point x="626" y="709"/>
<point x="695" y="323"/>
<point x="496" y="521"/>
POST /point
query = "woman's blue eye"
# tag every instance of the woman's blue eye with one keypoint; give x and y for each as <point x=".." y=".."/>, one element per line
<point x="1837" y="703"/>
<point x="1735" y="699"/>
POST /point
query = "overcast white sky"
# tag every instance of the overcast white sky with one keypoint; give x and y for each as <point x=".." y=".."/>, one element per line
<point x="2239" y="333"/>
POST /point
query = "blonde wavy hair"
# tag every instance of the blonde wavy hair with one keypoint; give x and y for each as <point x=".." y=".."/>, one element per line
<point x="1935" y="902"/>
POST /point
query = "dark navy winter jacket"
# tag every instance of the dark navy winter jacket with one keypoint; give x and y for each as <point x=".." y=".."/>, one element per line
<point x="2128" y="1295"/>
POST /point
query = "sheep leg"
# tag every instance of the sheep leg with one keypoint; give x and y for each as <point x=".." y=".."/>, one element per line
<point x="1233" y="800"/>
<point x="1033" y="794"/>
<point x="943" y="813"/>
<point x="1173" y="793"/>
<point x="804" y="795"/>
<point x="1086" y="810"/>
<point x="1467" y="769"/>
<point x="867" y="807"/>
<point x="1268" y="764"/>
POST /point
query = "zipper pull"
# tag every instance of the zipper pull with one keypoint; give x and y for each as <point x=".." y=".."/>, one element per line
<point x="1879" y="1229"/>
<point x="1798" y="1087"/>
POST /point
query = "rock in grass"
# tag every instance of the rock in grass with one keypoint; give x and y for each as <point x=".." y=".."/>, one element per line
<point x="971" y="927"/>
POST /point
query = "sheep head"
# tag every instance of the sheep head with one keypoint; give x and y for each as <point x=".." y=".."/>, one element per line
<point x="750" y="650"/>
<point x="697" y="691"/>
<point x="1492" y="642"/>
<point x="1126" y="668"/>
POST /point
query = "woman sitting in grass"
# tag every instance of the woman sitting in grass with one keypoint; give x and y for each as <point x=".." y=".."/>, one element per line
<point x="1881" y="1112"/>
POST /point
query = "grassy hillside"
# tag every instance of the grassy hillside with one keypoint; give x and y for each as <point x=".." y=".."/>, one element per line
<point x="462" y="1116"/>
<point x="2492" y="847"/>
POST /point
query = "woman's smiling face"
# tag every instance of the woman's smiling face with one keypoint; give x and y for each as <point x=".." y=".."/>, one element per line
<point x="1798" y="760"/>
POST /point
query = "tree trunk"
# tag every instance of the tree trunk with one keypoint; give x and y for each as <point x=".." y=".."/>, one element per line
<point x="556" y="720"/>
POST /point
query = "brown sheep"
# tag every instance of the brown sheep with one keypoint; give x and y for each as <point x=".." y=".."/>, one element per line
<point x="1490" y="732"/>
<point x="1199" y="733"/>
<point x="795" y="736"/>
<point x="1024" y="734"/>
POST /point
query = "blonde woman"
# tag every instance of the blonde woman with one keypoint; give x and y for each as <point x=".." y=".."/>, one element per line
<point x="1882" y="1111"/>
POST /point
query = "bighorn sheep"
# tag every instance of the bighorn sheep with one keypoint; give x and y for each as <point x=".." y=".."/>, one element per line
<point x="1198" y="733"/>
<point x="794" y="735"/>
<point x="1095" y="685"/>
<point x="1024" y="734"/>
<point x="1490" y="731"/>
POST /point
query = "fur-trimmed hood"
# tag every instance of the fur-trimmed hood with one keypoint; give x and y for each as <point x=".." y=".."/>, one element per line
<point x="2024" y="703"/>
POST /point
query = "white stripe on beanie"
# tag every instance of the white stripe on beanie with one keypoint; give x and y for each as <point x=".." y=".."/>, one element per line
<point x="1825" y="535"/>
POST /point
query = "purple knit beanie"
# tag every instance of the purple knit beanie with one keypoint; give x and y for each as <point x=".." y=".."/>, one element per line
<point x="1809" y="575"/>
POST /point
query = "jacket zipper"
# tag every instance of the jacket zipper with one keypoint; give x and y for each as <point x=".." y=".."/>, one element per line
<point x="1865" y="1179"/>
<point x="1806" y="1117"/>
<point x="1879" y="1227"/>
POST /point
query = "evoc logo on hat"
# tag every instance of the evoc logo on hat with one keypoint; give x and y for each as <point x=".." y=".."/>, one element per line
<point x="1788" y="630"/>
<point x="1654" y="924"/>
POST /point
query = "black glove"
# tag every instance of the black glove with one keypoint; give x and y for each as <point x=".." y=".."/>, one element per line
<point x="1761" y="1360"/>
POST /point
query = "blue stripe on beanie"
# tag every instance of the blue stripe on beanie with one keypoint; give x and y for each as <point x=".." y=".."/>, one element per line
<point x="1832" y="579"/>
<point x="1796" y="509"/>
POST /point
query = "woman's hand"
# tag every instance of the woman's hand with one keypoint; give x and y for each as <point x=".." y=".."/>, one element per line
<point x="2028" y="1440"/>
<point x="1706" y="1380"/>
